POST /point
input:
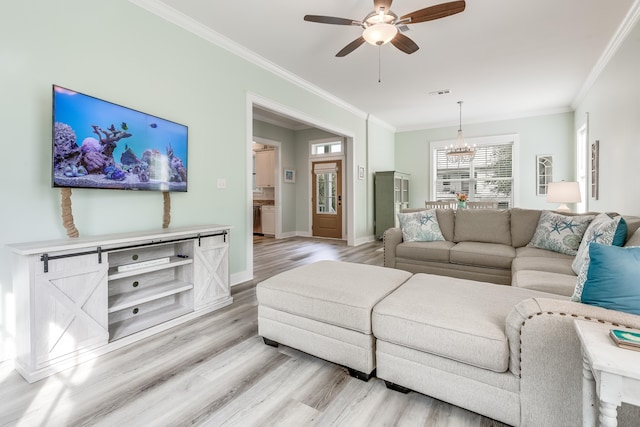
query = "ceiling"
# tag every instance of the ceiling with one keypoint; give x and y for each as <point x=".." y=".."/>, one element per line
<point x="503" y="58"/>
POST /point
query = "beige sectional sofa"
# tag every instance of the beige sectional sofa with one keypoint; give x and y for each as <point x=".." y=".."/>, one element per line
<point x="510" y="353"/>
<point x="488" y="246"/>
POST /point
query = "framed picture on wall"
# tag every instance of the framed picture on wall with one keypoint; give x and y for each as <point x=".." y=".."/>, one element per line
<point x="544" y="173"/>
<point x="290" y="175"/>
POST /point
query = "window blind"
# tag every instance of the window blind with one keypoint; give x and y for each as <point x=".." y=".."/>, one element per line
<point x="488" y="177"/>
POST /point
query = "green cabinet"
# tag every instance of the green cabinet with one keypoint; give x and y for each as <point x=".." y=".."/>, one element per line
<point x="391" y="196"/>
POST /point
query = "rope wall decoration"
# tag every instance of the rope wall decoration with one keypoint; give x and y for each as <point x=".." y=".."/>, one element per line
<point x="67" y="215"/>
<point x="166" y="217"/>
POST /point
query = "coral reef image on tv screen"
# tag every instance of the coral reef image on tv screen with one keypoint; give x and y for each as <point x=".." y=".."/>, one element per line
<point x="98" y="144"/>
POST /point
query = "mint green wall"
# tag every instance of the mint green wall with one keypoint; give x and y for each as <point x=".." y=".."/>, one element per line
<point x="613" y="104"/>
<point x="381" y="157"/>
<point x="119" y="52"/>
<point x="550" y="134"/>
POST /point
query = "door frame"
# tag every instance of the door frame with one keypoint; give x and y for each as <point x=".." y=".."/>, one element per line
<point x="343" y="190"/>
<point x="312" y="206"/>
<point x="582" y="165"/>
<point x="348" y="165"/>
<point x="277" y="145"/>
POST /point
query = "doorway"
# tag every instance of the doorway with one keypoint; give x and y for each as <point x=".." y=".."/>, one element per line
<point x="266" y="183"/>
<point x="326" y="177"/>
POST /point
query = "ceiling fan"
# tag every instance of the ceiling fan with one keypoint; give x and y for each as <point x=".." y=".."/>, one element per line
<point x="382" y="25"/>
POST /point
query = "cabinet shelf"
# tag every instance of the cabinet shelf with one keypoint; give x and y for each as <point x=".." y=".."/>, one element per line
<point x="129" y="299"/>
<point x="174" y="262"/>
<point x="144" y="321"/>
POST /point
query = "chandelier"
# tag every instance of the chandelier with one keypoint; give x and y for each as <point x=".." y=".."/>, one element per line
<point x="461" y="151"/>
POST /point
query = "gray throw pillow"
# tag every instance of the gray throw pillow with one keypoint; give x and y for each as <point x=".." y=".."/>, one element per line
<point x="560" y="233"/>
<point x="420" y="226"/>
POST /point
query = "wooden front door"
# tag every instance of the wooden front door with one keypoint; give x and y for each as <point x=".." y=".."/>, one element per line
<point x="327" y="198"/>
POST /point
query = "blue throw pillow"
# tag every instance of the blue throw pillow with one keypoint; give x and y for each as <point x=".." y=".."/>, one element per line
<point x="621" y="233"/>
<point x="613" y="278"/>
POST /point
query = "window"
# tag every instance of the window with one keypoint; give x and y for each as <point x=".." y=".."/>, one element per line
<point x="488" y="177"/>
<point x="326" y="188"/>
<point x="582" y="153"/>
<point x="326" y="147"/>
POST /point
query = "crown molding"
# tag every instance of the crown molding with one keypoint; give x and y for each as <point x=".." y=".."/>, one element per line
<point x="628" y="23"/>
<point x="381" y="123"/>
<point x="487" y="119"/>
<point x="178" y="18"/>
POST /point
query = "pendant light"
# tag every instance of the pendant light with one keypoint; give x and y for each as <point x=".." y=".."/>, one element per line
<point x="461" y="151"/>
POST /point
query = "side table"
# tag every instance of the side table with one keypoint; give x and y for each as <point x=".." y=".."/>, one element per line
<point x="609" y="372"/>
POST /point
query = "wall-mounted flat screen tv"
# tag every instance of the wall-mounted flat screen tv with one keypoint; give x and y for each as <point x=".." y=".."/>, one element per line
<point x="98" y="144"/>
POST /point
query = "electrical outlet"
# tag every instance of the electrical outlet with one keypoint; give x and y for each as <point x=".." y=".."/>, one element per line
<point x="222" y="183"/>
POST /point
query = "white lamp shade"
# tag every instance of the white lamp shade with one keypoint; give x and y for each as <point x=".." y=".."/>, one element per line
<point x="379" y="34"/>
<point x="563" y="192"/>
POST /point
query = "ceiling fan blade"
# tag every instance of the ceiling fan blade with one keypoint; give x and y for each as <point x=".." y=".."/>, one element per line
<point x="435" y="12"/>
<point x="350" y="47"/>
<point x="404" y="43"/>
<point x="377" y="4"/>
<point x="330" y="20"/>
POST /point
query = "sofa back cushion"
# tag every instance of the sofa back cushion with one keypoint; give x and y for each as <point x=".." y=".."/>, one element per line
<point x="523" y="225"/>
<point x="446" y="219"/>
<point x="634" y="240"/>
<point x="633" y="224"/>
<point x="483" y="225"/>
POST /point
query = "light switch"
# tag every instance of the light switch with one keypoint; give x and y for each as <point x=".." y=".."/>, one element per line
<point x="222" y="183"/>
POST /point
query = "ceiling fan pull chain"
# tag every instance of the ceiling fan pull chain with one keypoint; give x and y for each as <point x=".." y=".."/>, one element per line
<point x="379" y="66"/>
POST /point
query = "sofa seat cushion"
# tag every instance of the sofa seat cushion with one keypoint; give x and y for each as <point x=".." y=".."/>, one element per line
<point x="425" y="251"/>
<point x="528" y="251"/>
<point x="493" y="255"/>
<point x="552" y="265"/>
<point x="338" y="293"/>
<point x="545" y="281"/>
<point x="421" y="314"/>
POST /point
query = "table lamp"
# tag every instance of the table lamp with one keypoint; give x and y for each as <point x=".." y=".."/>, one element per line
<point x="563" y="192"/>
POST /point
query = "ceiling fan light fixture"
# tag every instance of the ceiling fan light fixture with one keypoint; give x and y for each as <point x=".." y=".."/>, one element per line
<point x="379" y="34"/>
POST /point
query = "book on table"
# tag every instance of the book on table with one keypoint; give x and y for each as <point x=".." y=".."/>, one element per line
<point x="625" y="339"/>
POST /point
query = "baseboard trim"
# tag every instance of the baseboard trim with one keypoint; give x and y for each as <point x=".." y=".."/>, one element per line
<point x="366" y="239"/>
<point x="241" y="277"/>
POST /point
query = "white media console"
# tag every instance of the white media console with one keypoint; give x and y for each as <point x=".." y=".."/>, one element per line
<point x="80" y="298"/>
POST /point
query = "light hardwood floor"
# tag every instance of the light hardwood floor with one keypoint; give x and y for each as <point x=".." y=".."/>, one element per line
<point x="216" y="371"/>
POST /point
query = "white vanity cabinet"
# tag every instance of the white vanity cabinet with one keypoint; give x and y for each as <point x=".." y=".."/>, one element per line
<point x="79" y="298"/>
<point x="265" y="168"/>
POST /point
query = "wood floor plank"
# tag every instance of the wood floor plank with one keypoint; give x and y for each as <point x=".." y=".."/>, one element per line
<point x="215" y="370"/>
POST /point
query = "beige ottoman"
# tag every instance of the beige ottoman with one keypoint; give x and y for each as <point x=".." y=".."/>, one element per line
<point x="324" y="309"/>
<point x="446" y="338"/>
